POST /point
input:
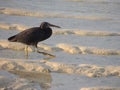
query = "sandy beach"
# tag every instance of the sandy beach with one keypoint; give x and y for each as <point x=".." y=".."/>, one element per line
<point x="86" y="48"/>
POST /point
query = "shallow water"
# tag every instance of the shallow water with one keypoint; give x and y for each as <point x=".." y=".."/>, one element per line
<point x="72" y="15"/>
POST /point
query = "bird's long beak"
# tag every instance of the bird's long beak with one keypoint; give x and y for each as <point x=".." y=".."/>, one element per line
<point x="54" y="26"/>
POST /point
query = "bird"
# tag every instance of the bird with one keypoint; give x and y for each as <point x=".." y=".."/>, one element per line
<point x="33" y="36"/>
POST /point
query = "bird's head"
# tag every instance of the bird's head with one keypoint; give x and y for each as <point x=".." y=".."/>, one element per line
<point x="45" y="25"/>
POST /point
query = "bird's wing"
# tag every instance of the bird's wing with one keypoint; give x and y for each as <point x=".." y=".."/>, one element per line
<point x="30" y="35"/>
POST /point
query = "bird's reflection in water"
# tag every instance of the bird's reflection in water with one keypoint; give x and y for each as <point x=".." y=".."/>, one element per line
<point x="44" y="79"/>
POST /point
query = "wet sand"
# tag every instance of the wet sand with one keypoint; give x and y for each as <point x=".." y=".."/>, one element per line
<point x="86" y="47"/>
<point x="21" y="74"/>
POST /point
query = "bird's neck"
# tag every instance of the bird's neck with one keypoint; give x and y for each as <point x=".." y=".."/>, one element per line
<point x="48" y="32"/>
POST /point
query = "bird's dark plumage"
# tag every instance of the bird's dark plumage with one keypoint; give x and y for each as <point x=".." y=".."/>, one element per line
<point x="33" y="35"/>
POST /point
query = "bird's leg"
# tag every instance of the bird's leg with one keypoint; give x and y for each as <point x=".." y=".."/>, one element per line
<point x="33" y="48"/>
<point x="44" y="53"/>
<point x="26" y="51"/>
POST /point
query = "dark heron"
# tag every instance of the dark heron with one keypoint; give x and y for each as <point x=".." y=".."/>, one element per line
<point x="34" y="35"/>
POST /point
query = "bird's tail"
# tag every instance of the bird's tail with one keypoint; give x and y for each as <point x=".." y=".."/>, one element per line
<point x="12" y="39"/>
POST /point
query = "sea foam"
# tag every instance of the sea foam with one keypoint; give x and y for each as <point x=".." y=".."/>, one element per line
<point x="100" y="88"/>
<point x="77" y="32"/>
<point x="41" y="14"/>
<point x="71" y="49"/>
<point x="47" y="67"/>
